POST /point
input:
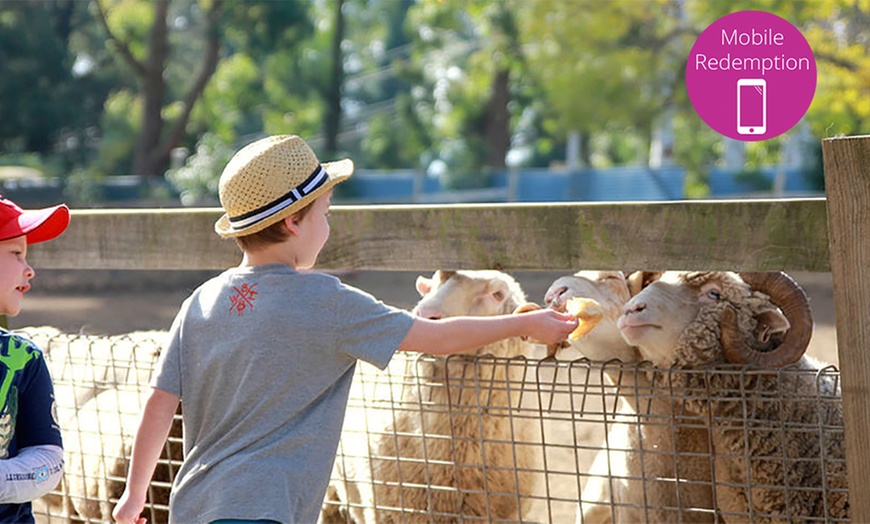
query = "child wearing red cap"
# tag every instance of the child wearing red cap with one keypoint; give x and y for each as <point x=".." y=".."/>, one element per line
<point x="31" y="452"/>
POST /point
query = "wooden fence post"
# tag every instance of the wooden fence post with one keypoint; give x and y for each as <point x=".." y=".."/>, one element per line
<point x="847" y="181"/>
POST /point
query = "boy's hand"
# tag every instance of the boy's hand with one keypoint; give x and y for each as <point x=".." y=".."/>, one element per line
<point x="128" y="510"/>
<point x="548" y="326"/>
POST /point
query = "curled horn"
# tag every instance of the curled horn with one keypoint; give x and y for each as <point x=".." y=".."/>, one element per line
<point x="794" y="304"/>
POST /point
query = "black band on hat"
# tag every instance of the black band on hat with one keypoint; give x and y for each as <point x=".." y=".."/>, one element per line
<point x="315" y="180"/>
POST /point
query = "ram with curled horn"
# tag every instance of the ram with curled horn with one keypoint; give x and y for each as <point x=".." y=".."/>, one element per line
<point x="730" y="349"/>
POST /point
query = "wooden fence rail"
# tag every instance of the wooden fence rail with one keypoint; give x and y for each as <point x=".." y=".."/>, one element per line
<point x="831" y="234"/>
<point x="738" y="234"/>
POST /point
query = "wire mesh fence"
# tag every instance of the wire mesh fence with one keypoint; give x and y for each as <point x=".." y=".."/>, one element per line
<point x="100" y="387"/>
<point x="505" y="440"/>
<point x="487" y="439"/>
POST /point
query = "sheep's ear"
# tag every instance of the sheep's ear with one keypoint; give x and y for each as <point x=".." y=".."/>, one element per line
<point x="639" y="280"/>
<point x="526" y="307"/>
<point x="771" y="324"/>
<point x="424" y="285"/>
<point x="444" y="275"/>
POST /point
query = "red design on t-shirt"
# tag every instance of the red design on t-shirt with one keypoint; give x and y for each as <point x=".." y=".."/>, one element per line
<point x="243" y="299"/>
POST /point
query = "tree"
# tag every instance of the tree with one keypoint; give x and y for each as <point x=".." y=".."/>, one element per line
<point x="837" y="32"/>
<point x="333" y="95"/>
<point x="607" y="66"/>
<point x="470" y="56"/>
<point x="272" y="76"/>
<point x="495" y="122"/>
<point x="382" y="128"/>
<point x="42" y="99"/>
<point x="158" y="137"/>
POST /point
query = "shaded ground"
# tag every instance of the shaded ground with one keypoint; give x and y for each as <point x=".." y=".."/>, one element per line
<point x="115" y="303"/>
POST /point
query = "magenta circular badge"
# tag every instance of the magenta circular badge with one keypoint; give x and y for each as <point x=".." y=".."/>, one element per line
<point x="751" y="75"/>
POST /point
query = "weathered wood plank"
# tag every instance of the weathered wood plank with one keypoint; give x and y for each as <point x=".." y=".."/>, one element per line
<point x="847" y="181"/>
<point x="137" y="239"/>
<point x="714" y="235"/>
<point x="738" y="234"/>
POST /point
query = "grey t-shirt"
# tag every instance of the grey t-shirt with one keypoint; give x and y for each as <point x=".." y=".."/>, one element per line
<point x="263" y="359"/>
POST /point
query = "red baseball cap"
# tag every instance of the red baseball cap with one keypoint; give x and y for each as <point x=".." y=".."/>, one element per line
<point x="38" y="224"/>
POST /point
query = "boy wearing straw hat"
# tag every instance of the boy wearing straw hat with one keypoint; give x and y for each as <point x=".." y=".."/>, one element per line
<point x="263" y="355"/>
<point x="31" y="452"/>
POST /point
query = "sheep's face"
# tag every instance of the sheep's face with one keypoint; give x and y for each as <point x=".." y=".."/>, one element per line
<point x="610" y="290"/>
<point x="474" y="293"/>
<point x="657" y="318"/>
<point x="677" y="319"/>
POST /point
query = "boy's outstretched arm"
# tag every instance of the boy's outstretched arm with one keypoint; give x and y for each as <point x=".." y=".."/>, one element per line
<point x="147" y="446"/>
<point x="454" y="334"/>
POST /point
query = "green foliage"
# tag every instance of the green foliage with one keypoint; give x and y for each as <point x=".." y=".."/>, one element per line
<point x="29" y="160"/>
<point x="248" y="33"/>
<point x="764" y="152"/>
<point x="197" y="181"/>
<point x="229" y="106"/>
<point x="421" y="78"/>
<point x="382" y="122"/>
<point x="605" y="63"/>
<point x="461" y="167"/>
<point x="120" y="125"/>
<point x="131" y="21"/>
<point x="388" y="145"/>
<point x="264" y="85"/>
<point x="260" y="28"/>
<point x="38" y="94"/>
<point x="697" y="148"/>
<point x="842" y="102"/>
<point x="83" y="188"/>
<point x="293" y="92"/>
<point x="470" y="58"/>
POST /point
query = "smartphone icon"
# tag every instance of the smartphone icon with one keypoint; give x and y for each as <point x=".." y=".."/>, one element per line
<point x="751" y="106"/>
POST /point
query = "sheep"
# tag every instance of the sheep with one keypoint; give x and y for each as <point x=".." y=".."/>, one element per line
<point x="97" y="442"/>
<point x="100" y="384"/>
<point x="82" y="366"/>
<point x="611" y="290"/>
<point x="638" y="444"/>
<point x="771" y="460"/>
<point x="448" y="451"/>
<point x="604" y="343"/>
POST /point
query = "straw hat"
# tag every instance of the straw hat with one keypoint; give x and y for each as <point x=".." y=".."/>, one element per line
<point x="269" y="180"/>
<point x="38" y="224"/>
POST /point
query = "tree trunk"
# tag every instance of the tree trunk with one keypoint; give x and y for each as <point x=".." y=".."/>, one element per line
<point x="63" y="16"/>
<point x="498" y="132"/>
<point x="153" y="89"/>
<point x="333" y="102"/>
<point x="154" y="145"/>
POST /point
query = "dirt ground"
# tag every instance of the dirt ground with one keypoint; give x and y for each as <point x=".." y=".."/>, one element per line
<point x="118" y="303"/>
